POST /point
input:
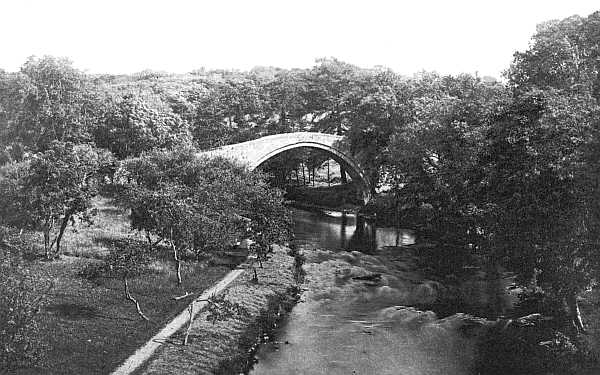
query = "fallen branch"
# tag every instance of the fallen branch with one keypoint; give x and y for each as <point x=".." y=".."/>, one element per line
<point x="187" y="294"/>
<point x="190" y="321"/>
<point x="130" y="297"/>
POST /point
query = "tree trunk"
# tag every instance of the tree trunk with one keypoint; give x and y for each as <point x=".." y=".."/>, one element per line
<point x="149" y="240"/>
<point x="61" y="231"/>
<point x="176" y="258"/>
<point x="303" y="176"/>
<point x="343" y="175"/>
<point x="133" y="300"/>
<point x="374" y="177"/>
<point x="177" y="263"/>
<point x="282" y="126"/>
<point x="47" y="242"/>
<point x="190" y="321"/>
<point x="574" y="312"/>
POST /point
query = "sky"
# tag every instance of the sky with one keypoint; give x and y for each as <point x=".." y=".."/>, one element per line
<point x="408" y="36"/>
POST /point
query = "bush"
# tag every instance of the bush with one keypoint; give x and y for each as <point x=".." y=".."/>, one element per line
<point x="22" y="297"/>
<point x="534" y="300"/>
<point x="335" y="196"/>
<point x="528" y="346"/>
<point x="201" y="205"/>
<point x="48" y="192"/>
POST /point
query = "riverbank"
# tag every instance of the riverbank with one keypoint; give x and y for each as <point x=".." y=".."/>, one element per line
<point x="227" y="346"/>
<point x="510" y="334"/>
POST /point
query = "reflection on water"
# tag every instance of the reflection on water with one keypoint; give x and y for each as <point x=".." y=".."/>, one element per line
<point x="343" y="231"/>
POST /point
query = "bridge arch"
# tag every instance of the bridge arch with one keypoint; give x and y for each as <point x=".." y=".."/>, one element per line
<point x="256" y="152"/>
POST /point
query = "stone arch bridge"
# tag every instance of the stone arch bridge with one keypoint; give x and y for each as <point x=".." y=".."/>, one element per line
<point x="256" y="152"/>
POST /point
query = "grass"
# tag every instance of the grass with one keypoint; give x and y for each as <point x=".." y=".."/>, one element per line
<point x="227" y="346"/>
<point x="92" y="241"/>
<point x="89" y="325"/>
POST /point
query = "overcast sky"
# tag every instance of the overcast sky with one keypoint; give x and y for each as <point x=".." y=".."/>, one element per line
<point x="125" y="36"/>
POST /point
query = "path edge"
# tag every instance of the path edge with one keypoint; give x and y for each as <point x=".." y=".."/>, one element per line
<point x="142" y="354"/>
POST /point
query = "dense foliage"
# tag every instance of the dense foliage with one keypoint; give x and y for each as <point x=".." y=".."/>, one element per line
<point x="47" y="100"/>
<point x="129" y="127"/>
<point x="51" y="190"/>
<point x="22" y="295"/>
<point x="198" y="205"/>
<point x="503" y="172"/>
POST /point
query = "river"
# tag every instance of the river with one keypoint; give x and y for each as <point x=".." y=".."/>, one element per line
<point x="353" y="316"/>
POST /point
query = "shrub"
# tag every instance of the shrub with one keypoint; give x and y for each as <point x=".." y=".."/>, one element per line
<point x="22" y="296"/>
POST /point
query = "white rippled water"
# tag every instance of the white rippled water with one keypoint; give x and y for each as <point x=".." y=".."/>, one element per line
<point x="347" y="326"/>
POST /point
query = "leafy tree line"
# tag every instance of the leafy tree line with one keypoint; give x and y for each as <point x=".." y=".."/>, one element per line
<point x="463" y="156"/>
<point x="49" y="100"/>
<point x="64" y="136"/>
<point x="196" y="206"/>
<point x="510" y="173"/>
<point x="507" y="172"/>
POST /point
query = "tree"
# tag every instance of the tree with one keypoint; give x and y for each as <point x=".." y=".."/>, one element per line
<point x="434" y="164"/>
<point x="130" y="127"/>
<point x="379" y="108"/>
<point x="126" y="263"/>
<point x="543" y="163"/>
<point x="48" y="100"/>
<point x="331" y="83"/>
<point x="52" y="189"/>
<point x="230" y="108"/>
<point x="287" y="99"/>
<point x="201" y="205"/>
<point x="166" y="212"/>
<point x="543" y="184"/>
<point x="563" y="55"/>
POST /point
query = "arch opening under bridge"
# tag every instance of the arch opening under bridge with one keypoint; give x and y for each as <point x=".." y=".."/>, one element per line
<point x="257" y="152"/>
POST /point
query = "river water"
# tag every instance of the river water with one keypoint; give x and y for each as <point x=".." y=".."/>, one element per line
<point x="353" y="316"/>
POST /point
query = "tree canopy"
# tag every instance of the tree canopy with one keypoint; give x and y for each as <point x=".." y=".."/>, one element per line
<point x="201" y="205"/>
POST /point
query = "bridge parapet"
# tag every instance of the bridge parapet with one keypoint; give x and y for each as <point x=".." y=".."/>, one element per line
<point x="253" y="151"/>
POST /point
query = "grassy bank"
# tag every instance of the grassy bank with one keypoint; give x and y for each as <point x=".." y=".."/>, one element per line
<point x="227" y="347"/>
<point x="87" y="323"/>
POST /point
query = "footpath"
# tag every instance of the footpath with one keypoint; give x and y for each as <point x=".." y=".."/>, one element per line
<point x="226" y="346"/>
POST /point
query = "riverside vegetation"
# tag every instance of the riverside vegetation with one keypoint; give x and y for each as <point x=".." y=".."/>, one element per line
<point x="502" y="174"/>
